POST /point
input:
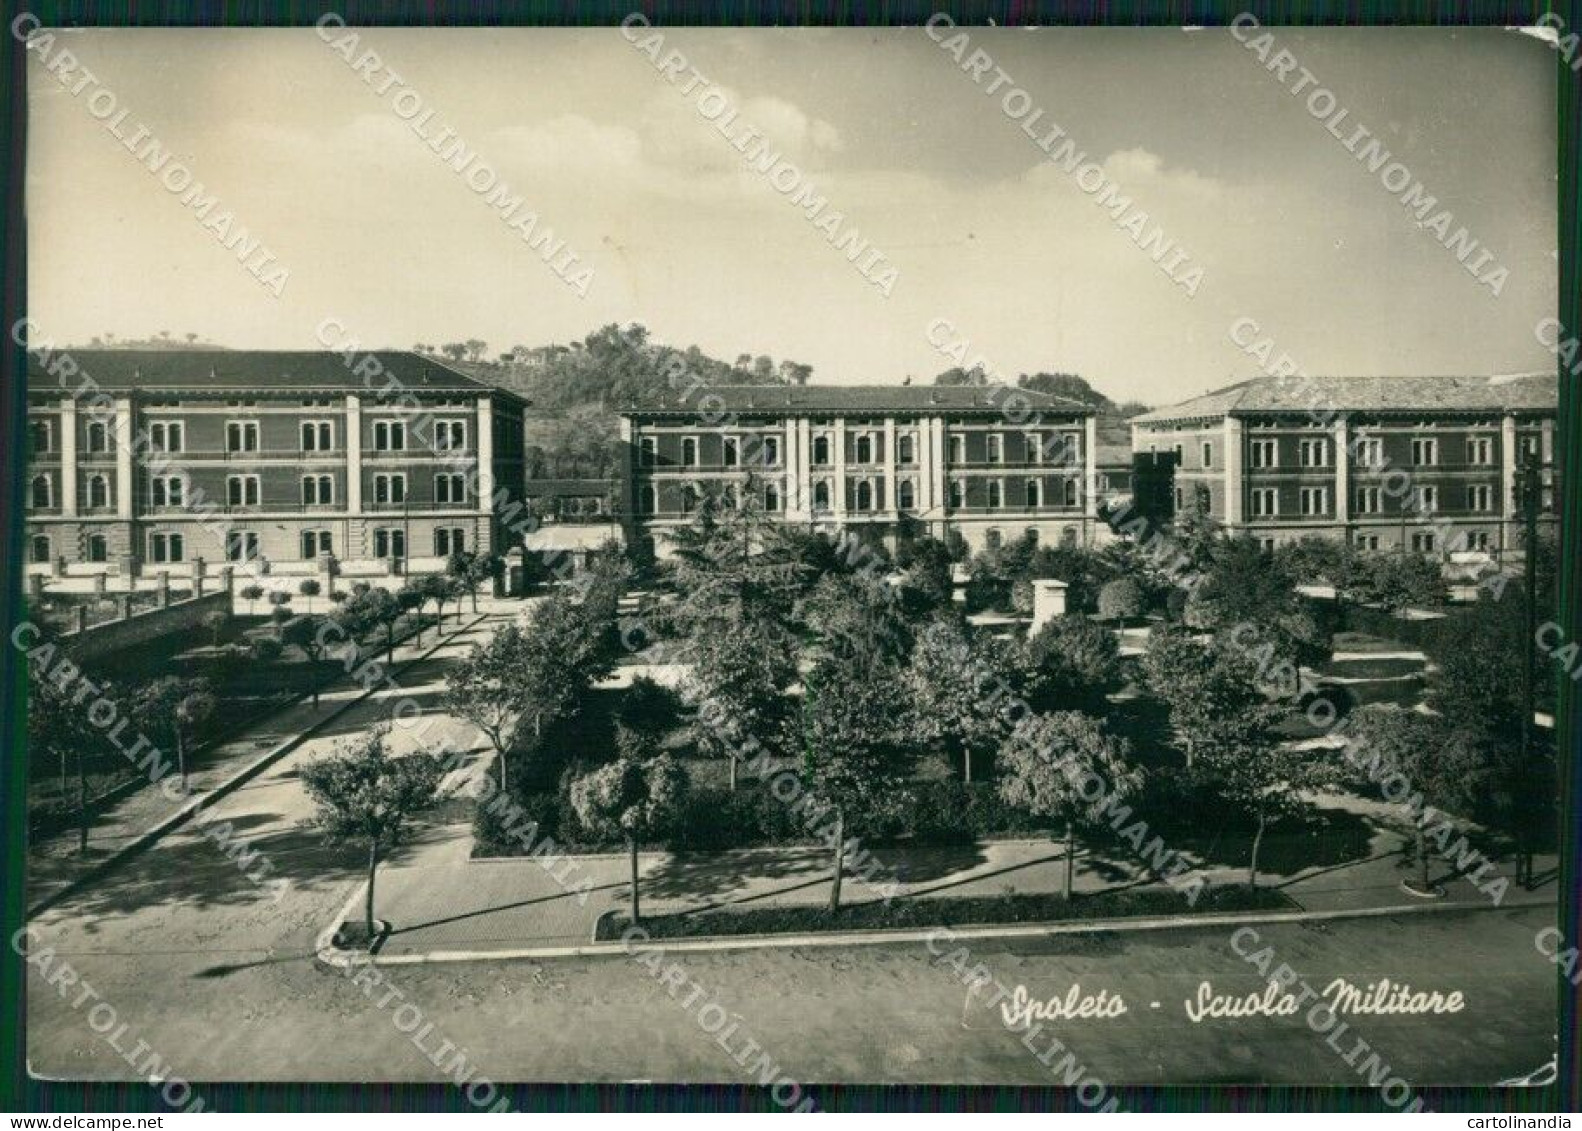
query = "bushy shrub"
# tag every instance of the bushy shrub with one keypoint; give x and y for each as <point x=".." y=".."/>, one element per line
<point x="1121" y="600"/>
<point x="265" y="649"/>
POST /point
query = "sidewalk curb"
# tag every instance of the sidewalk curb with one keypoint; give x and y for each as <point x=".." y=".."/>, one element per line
<point x="229" y="786"/>
<point x="330" y="955"/>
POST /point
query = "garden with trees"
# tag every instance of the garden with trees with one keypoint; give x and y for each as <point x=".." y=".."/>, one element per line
<point x="1170" y="708"/>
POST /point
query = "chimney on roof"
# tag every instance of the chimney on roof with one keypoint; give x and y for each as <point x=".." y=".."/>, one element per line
<point x="933" y="396"/>
<point x="908" y="380"/>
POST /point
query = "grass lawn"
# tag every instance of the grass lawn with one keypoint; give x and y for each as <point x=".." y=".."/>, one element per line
<point x="877" y="915"/>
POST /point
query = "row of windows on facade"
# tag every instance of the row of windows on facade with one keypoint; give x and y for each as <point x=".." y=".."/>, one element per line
<point x="246" y="490"/>
<point x="1056" y="450"/>
<point x="868" y="494"/>
<point x="1264" y="502"/>
<point x="243" y="436"/>
<point x="1369" y="452"/>
<point x="243" y="545"/>
<point x="1421" y="542"/>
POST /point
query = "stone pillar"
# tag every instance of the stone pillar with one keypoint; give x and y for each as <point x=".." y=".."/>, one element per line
<point x="35" y="587"/>
<point x="354" y="455"/>
<point x="1510" y="512"/>
<point x="838" y="451"/>
<point x="227" y="579"/>
<point x="485" y="454"/>
<point x="79" y="615"/>
<point x="68" y="457"/>
<point x="57" y="566"/>
<point x="1049" y="602"/>
<point x="98" y="584"/>
<point x="123" y="606"/>
<point x="123" y="459"/>
<point x="1342" y="430"/>
<point x="891" y="506"/>
<point x="804" y="464"/>
<point x="1090" y="468"/>
<point x="794" y="476"/>
<point x="200" y="568"/>
<point x="1235" y="487"/>
<point x="164" y="589"/>
<point x="935" y="468"/>
<point x="197" y="584"/>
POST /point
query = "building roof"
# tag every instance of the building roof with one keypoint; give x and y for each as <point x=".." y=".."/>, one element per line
<point x="293" y="371"/>
<point x="804" y="400"/>
<point x="1523" y="392"/>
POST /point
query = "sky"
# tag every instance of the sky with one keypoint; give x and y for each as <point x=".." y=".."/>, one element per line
<point x="991" y="243"/>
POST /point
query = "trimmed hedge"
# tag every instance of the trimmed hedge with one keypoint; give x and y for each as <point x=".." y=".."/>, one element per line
<point x="946" y="912"/>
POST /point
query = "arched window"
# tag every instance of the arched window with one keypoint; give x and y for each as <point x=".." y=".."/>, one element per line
<point x="40" y="549"/>
<point x="995" y="494"/>
<point x="906" y="449"/>
<point x="991" y="539"/>
<point x="906" y="495"/>
<point x="98" y="438"/>
<point x="821" y="495"/>
<point x="865" y="495"/>
<point x="98" y="548"/>
<point x="864" y="449"/>
<point x="98" y="491"/>
<point x="1031" y="534"/>
<point x="1069" y="536"/>
<point x="43" y="491"/>
<point x="1034" y="494"/>
<point x="821" y="450"/>
<point x="771" y="497"/>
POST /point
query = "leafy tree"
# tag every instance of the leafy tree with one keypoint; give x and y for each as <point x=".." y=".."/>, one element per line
<point x="310" y="588"/>
<point x="489" y="688"/>
<point x="1248" y="765"/>
<point x="856" y="753"/>
<point x="366" y="797"/>
<point x="304" y="633"/>
<point x="1479" y="656"/>
<point x="737" y="685"/>
<point x="59" y="728"/>
<point x="1121" y="600"/>
<point x="174" y="708"/>
<point x="1077" y="664"/>
<point x="1064" y="767"/>
<point x="1447" y="768"/>
<point x="854" y="622"/>
<point x="1245" y="585"/>
<point x="1202" y="686"/>
<point x="733" y="564"/>
<point x="635" y="797"/>
<point x="215" y="622"/>
<point x="957" y="683"/>
<point x="250" y="594"/>
<point x="648" y="707"/>
<point x="379" y="608"/>
<point x="1394" y="580"/>
<point x="409" y="599"/>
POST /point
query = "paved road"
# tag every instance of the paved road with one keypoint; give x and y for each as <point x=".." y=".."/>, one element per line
<point x="216" y="975"/>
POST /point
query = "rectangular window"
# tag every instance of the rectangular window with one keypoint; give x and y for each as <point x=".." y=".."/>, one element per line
<point x="42" y="435"/>
<point x="1480" y="451"/>
<point x="389" y="542"/>
<point x="994" y="493"/>
<point x="316" y="542"/>
<point x="389" y="436"/>
<point x="241" y="545"/>
<point x="1369" y="500"/>
<point x="318" y="490"/>
<point x="450" y="488"/>
<point x="1314" y="453"/>
<point x="1265" y="502"/>
<point x="1427" y="499"/>
<point x="1425" y="452"/>
<point x="449" y="540"/>
<point x="165" y="436"/>
<point x="317" y="436"/>
<point x="450" y="435"/>
<point x="166" y="491"/>
<point x="1034" y="443"/>
<point x="1478" y="540"/>
<point x="771" y="451"/>
<point x="166" y="548"/>
<point x="1208" y="455"/>
<point x="1480" y="497"/>
<point x="1366" y="542"/>
<point x="1315" y="501"/>
<point x="1265" y="453"/>
<point x="1423" y="541"/>
<point x="241" y="436"/>
<point x="649" y="451"/>
<point x="1370" y="452"/>
<point x="730" y="451"/>
<point x="241" y="490"/>
<point x="958" y="449"/>
<point x="389" y="489"/>
<point x="98" y="438"/>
